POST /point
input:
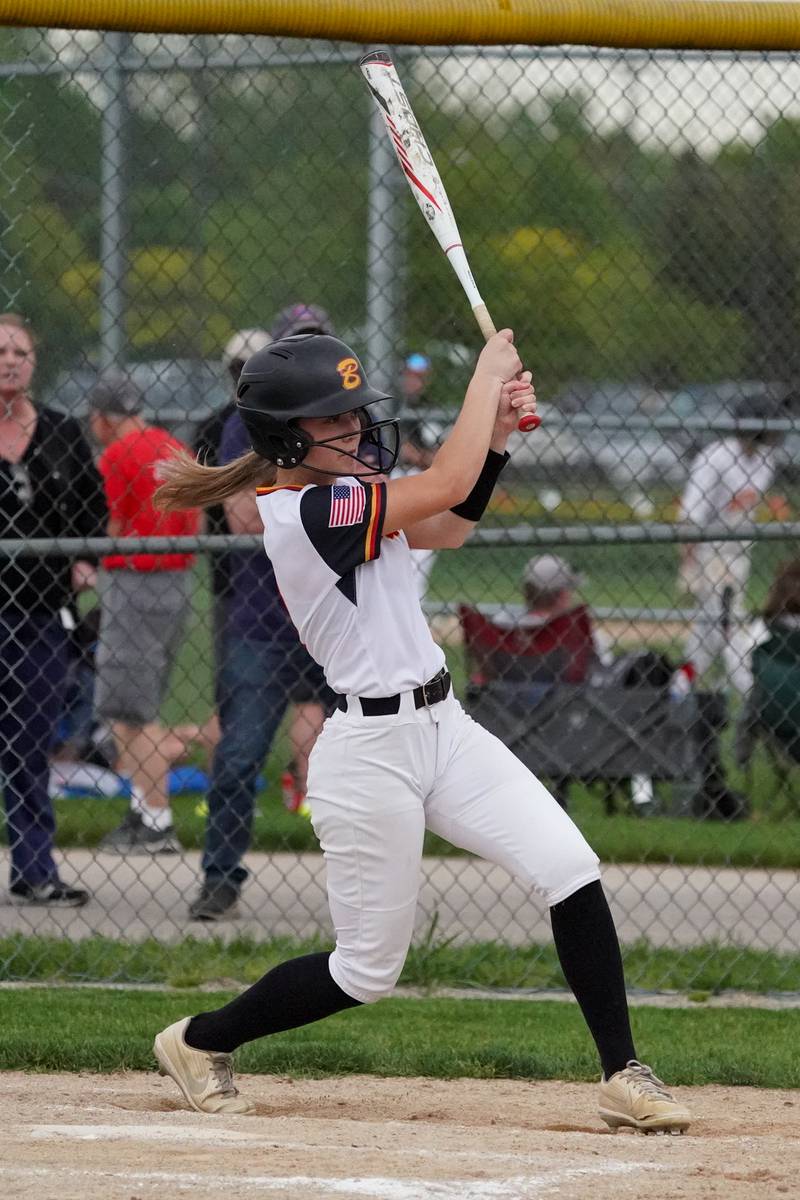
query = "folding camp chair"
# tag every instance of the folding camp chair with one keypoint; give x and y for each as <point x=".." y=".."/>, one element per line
<point x="591" y="734"/>
<point x="539" y="689"/>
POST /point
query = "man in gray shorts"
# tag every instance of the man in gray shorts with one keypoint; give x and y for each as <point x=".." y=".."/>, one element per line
<point x="144" y="601"/>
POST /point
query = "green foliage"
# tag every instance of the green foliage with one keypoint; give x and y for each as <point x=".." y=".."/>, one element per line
<point x="726" y="235"/>
<point x="246" y="191"/>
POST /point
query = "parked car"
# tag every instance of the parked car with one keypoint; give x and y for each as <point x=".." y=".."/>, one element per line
<point x="543" y="455"/>
<point x="613" y="422"/>
<point x="177" y="393"/>
<point x="713" y="404"/>
<point x="716" y="403"/>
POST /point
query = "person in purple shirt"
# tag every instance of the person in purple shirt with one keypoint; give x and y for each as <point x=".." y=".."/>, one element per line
<point x="263" y="667"/>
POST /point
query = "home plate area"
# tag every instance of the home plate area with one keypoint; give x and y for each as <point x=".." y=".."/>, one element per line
<point x="129" y="1136"/>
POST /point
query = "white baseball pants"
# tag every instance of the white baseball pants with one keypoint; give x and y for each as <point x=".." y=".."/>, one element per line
<point x="721" y="565"/>
<point x="376" y="783"/>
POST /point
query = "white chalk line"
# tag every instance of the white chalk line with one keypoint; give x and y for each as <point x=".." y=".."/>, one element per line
<point x="521" y="1187"/>
<point x="221" y="1138"/>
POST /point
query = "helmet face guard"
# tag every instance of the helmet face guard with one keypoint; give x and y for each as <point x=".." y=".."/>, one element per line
<point x="377" y="451"/>
<point x="287" y="445"/>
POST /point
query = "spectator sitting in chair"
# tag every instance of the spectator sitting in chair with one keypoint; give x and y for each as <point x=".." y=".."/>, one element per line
<point x="551" y="642"/>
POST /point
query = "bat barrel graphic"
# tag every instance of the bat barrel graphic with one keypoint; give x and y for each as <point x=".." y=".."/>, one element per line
<point x="416" y="162"/>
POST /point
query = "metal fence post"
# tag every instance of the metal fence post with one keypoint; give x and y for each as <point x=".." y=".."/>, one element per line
<point x="384" y="256"/>
<point x="113" y="197"/>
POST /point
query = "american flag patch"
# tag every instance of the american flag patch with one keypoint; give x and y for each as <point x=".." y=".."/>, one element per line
<point x="347" y="504"/>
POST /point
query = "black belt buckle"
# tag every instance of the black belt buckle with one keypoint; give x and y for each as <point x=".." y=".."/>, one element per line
<point x="427" y="694"/>
<point x="435" y="690"/>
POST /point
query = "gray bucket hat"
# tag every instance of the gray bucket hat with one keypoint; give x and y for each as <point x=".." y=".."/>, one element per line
<point x="115" y="394"/>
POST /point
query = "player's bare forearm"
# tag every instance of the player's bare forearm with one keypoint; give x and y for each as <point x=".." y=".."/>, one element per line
<point x="459" y="461"/>
<point x="445" y="531"/>
<point x="448" y="530"/>
<point x="461" y="457"/>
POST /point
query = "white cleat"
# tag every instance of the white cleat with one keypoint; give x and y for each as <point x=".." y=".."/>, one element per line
<point x="205" y="1077"/>
<point x="634" y="1097"/>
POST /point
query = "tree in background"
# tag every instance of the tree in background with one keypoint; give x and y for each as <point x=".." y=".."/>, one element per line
<point x="726" y="234"/>
<point x="247" y="190"/>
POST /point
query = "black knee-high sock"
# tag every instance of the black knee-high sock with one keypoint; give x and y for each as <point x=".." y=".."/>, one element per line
<point x="295" y="993"/>
<point x="588" y="950"/>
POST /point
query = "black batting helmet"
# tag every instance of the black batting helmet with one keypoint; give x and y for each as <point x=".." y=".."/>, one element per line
<point x="310" y="375"/>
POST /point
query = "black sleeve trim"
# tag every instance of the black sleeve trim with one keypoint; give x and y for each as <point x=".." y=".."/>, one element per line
<point x="344" y="547"/>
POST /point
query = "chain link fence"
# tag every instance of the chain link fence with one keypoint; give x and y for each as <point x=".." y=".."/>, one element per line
<point x="627" y="617"/>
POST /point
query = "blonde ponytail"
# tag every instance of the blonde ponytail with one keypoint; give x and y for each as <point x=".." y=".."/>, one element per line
<point x="189" y="484"/>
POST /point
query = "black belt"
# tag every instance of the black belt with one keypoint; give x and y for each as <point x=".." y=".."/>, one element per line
<point x="432" y="692"/>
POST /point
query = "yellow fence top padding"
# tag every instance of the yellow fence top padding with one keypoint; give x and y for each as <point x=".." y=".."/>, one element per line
<point x="706" y="24"/>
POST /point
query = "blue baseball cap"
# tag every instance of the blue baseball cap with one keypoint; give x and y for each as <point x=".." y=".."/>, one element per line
<point x="418" y="362"/>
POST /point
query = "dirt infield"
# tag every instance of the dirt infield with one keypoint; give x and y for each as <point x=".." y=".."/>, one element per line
<point x="129" y="1137"/>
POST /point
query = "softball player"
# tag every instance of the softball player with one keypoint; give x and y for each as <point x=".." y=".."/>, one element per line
<point x="727" y="482"/>
<point x="399" y="754"/>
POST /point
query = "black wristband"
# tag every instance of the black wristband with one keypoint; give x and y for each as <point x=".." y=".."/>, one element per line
<point x="473" y="508"/>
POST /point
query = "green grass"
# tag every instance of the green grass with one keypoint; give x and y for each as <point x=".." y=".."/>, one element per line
<point x="624" y="576"/>
<point x="80" y="1030"/>
<point x="432" y="963"/>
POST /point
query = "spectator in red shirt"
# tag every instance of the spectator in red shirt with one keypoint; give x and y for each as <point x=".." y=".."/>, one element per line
<point x="145" y="601"/>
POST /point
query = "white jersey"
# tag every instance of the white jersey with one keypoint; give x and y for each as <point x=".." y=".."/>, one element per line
<point x="422" y="561"/>
<point x="725" y="487"/>
<point x="349" y="587"/>
<point x="725" y="484"/>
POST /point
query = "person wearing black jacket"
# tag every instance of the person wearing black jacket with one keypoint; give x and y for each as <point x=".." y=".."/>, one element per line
<point x="206" y="445"/>
<point x="49" y="487"/>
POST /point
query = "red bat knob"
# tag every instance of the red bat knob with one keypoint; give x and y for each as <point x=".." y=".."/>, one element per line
<point x="532" y="421"/>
